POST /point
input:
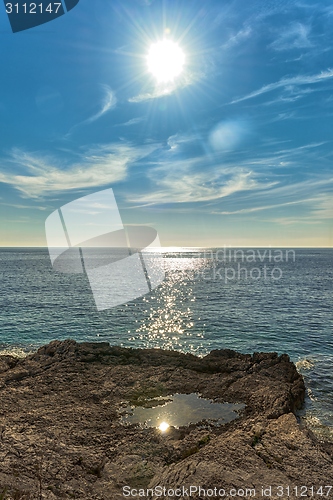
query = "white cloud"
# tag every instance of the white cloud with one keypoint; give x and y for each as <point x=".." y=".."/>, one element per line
<point x="161" y="90"/>
<point x="296" y="36"/>
<point x="284" y="116"/>
<point x="97" y="168"/>
<point x="188" y="181"/>
<point x="180" y="140"/>
<point x="289" y="82"/>
<point x="246" y="184"/>
<point x="234" y="40"/>
<point x="239" y="186"/>
<point x="20" y="207"/>
<point x="158" y="91"/>
<point x="323" y="208"/>
<point x="305" y="200"/>
<point x="194" y="188"/>
<point x="109" y="101"/>
<point x="319" y="210"/>
<point x="133" y="121"/>
<point x="262" y="207"/>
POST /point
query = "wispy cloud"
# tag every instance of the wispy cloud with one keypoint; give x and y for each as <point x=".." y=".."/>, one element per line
<point x="319" y="210"/>
<point x="305" y="200"/>
<point x="293" y="93"/>
<point x="323" y="208"/>
<point x="43" y="175"/>
<point x="109" y="101"/>
<point x="155" y="93"/>
<point x="259" y="183"/>
<point x="133" y="121"/>
<point x="241" y="36"/>
<point x="191" y="181"/>
<point x="295" y="36"/>
<point x="20" y="207"/>
<point x="162" y="90"/>
<point x="181" y="141"/>
<point x="197" y="188"/>
<point x="261" y="208"/>
<point x="288" y="82"/>
<point x="284" y="116"/>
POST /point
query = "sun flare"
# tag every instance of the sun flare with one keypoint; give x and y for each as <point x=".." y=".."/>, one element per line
<point x="165" y="60"/>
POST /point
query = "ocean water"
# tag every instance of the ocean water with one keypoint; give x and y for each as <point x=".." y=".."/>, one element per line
<point x="243" y="299"/>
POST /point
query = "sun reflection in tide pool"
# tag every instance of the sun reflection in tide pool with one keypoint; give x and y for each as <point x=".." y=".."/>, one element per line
<point x="169" y="315"/>
<point x="164" y="426"/>
<point x="178" y="410"/>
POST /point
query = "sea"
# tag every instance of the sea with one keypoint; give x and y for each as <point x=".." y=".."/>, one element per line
<point x="245" y="299"/>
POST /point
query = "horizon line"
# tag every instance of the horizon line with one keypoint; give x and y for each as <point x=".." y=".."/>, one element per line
<point x="190" y="247"/>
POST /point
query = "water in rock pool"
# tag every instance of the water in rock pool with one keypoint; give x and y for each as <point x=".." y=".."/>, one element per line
<point x="241" y="299"/>
<point x="179" y="410"/>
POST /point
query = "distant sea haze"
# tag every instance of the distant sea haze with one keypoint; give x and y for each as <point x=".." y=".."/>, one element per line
<point x="260" y="299"/>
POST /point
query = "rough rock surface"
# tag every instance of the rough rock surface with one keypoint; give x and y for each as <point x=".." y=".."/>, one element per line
<point x="61" y="437"/>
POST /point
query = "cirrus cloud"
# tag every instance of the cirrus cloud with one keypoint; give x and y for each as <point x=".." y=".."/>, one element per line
<point x="287" y="82"/>
<point x="98" y="167"/>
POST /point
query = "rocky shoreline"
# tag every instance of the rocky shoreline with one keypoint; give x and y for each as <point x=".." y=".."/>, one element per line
<point x="61" y="435"/>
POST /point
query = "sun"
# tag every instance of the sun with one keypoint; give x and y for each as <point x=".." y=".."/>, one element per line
<point x="165" y="60"/>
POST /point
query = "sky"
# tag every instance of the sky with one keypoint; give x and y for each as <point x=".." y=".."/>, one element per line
<point x="236" y="150"/>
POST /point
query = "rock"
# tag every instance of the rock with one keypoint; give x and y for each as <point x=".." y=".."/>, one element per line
<point x="61" y="436"/>
<point x="7" y="362"/>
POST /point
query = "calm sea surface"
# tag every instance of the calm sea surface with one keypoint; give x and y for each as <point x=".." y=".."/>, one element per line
<point x="241" y="299"/>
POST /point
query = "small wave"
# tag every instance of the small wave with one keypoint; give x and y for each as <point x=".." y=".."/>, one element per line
<point x="17" y="352"/>
<point x="315" y="424"/>
<point x="304" y="364"/>
<point x="313" y="421"/>
<point x="311" y="395"/>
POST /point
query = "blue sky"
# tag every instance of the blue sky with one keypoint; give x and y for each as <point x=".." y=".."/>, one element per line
<point x="236" y="151"/>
